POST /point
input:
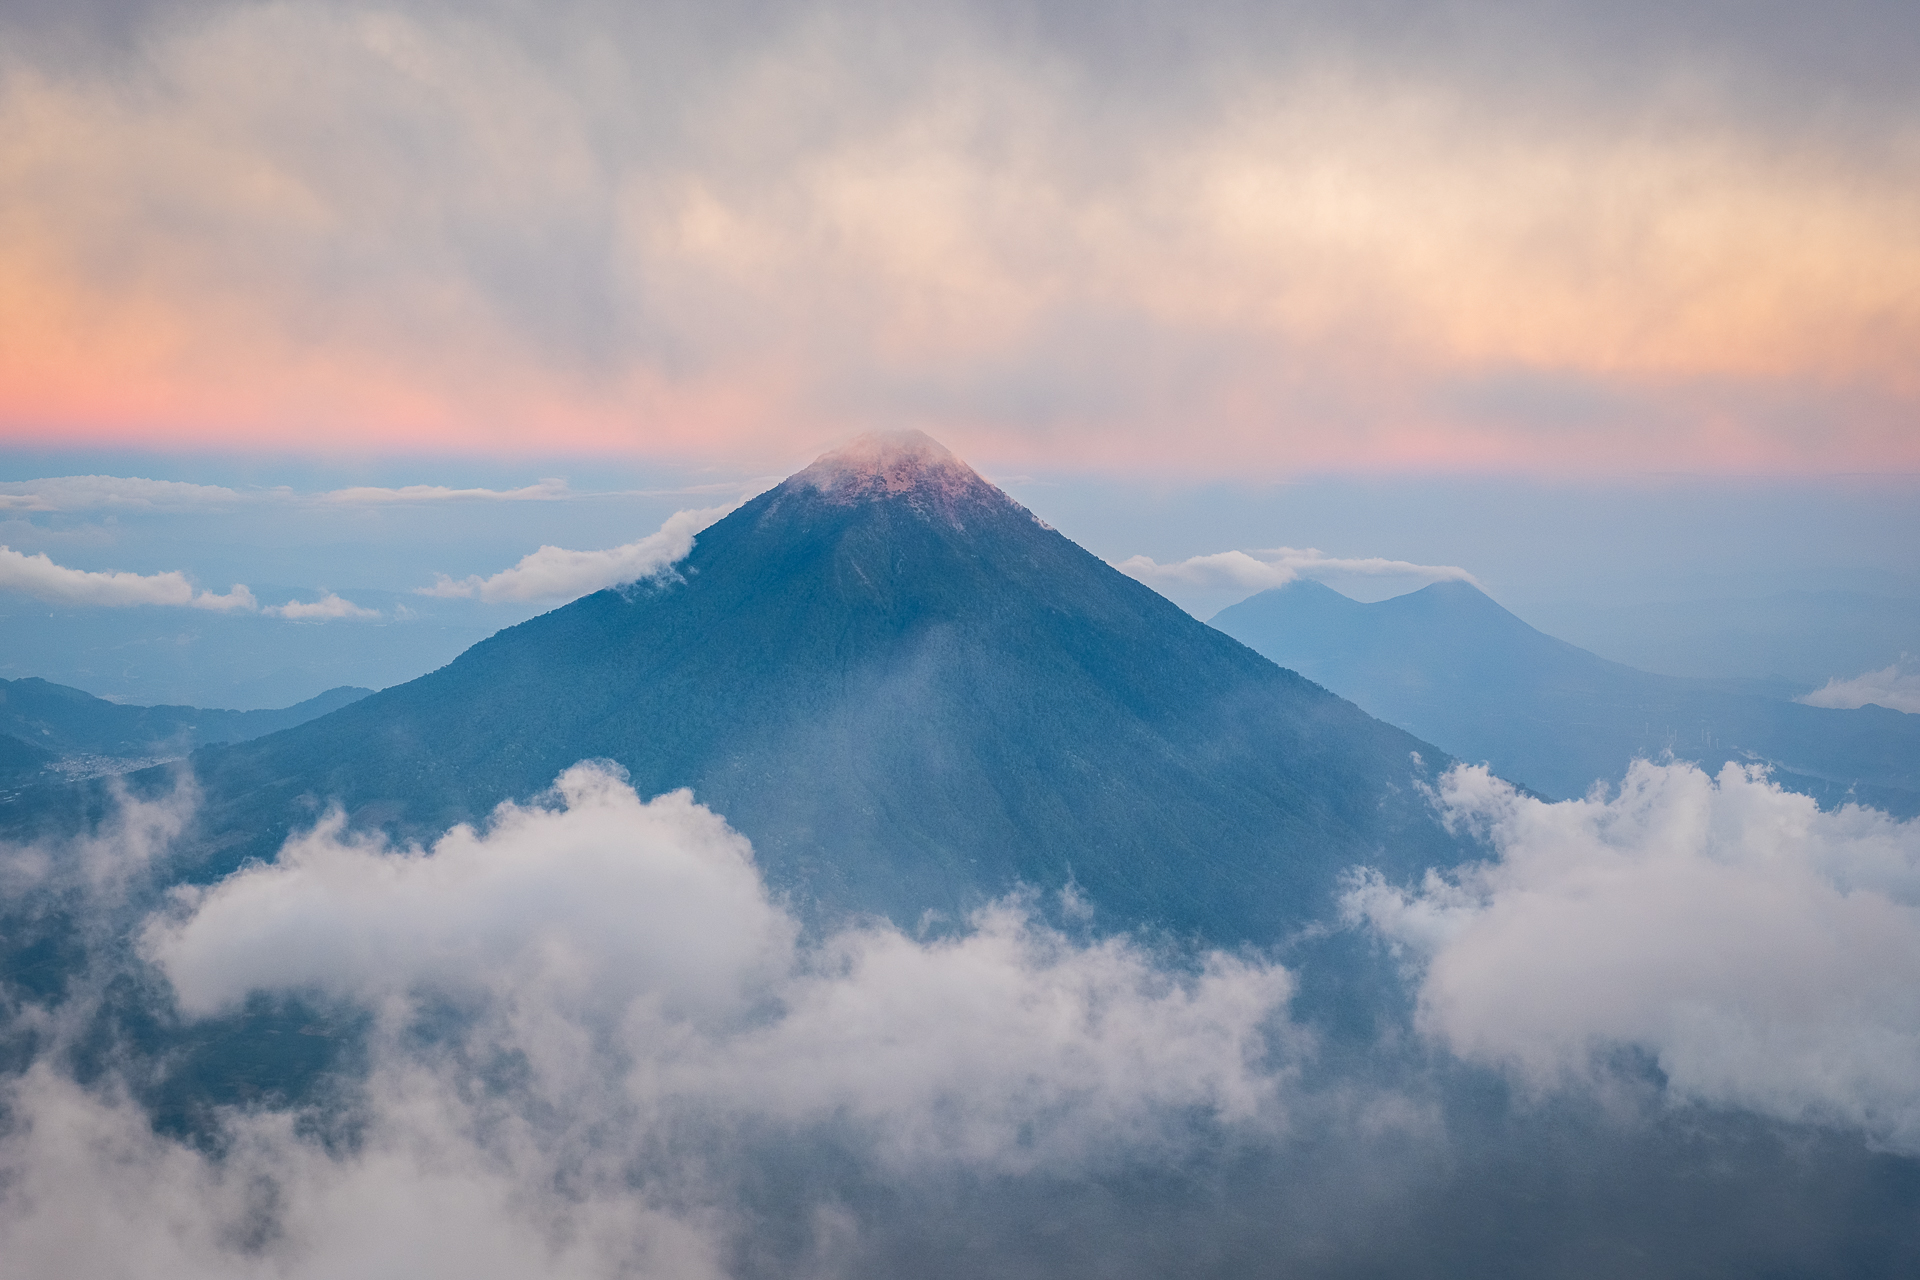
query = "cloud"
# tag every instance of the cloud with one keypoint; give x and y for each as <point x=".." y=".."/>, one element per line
<point x="1250" y="571"/>
<point x="546" y="491"/>
<point x="37" y="575"/>
<point x="591" y="1022"/>
<point x="1338" y="239"/>
<point x="1894" y="687"/>
<point x="92" y="1190"/>
<point x="327" y="607"/>
<point x="90" y="493"/>
<point x="595" y="1044"/>
<point x="1006" y="1047"/>
<point x="553" y="572"/>
<point x="1764" y="953"/>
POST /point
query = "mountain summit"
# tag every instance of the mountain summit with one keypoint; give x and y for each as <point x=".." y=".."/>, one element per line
<point x="897" y="464"/>
<point x="911" y="695"/>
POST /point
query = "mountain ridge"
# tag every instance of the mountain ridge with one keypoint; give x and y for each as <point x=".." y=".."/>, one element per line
<point x="64" y="721"/>
<point x="1448" y="663"/>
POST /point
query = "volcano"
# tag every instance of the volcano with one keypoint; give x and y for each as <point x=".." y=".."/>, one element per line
<point x="912" y="695"/>
<point x="1450" y="664"/>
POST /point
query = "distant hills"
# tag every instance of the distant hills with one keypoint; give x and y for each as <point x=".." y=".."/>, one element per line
<point x="911" y="694"/>
<point x="43" y="725"/>
<point x="1449" y="664"/>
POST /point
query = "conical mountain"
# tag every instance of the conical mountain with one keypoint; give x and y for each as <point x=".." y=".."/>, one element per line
<point x="1448" y="663"/>
<point x="910" y="694"/>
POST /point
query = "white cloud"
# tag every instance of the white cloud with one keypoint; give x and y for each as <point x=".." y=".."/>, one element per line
<point x="37" y="575"/>
<point x="555" y="572"/>
<point x="596" y="897"/>
<point x="660" y="1009"/>
<point x="600" y="1047"/>
<point x="87" y="1188"/>
<point x="327" y="607"/>
<point x="1766" y="953"/>
<point x="1894" y="687"/>
<point x="130" y="493"/>
<point x="90" y="493"/>
<point x="1251" y="571"/>
<point x="545" y="491"/>
<point x="1007" y="1047"/>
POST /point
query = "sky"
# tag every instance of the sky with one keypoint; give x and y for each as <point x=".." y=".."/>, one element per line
<point x="1609" y="307"/>
<point x="1192" y="241"/>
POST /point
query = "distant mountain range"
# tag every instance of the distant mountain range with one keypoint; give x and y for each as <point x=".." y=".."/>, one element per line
<point x="1450" y="665"/>
<point x="912" y="695"/>
<point x="56" y="724"/>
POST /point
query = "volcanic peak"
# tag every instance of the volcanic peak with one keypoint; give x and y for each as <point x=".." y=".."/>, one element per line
<point x="896" y="464"/>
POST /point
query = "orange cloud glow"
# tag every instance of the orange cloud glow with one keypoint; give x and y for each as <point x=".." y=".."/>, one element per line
<point x="1324" y="277"/>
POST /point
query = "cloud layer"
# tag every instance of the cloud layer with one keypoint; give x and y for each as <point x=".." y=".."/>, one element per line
<point x="556" y="572"/>
<point x="1240" y="239"/>
<point x="1764" y="954"/>
<point x="597" y="1045"/>
<point x="655" y="1009"/>
<point x="1006" y="1047"/>
<point x="131" y="493"/>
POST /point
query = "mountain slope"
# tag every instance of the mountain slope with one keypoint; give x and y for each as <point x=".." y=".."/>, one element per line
<point x="910" y="694"/>
<point x="1449" y="664"/>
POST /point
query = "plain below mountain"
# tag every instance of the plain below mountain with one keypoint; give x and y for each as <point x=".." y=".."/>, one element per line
<point x="911" y="695"/>
<point x="1449" y="664"/>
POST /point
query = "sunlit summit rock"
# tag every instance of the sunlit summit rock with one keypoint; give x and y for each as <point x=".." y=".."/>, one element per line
<point x="892" y="464"/>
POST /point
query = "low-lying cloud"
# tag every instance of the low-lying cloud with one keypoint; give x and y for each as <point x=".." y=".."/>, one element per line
<point x="596" y="1043"/>
<point x="634" y="1008"/>
<point x="641" y="934"/>
<point x="37" y="575"/>
<point x="1766" y="954"/>
<point x="1895" y="687"/>
<point x="556" y="572"/>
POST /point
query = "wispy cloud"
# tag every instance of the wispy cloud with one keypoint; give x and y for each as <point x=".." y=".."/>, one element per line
<point x="554" y="572"/>
<point x="326" y="608"/>
<point x="38" y="576"/>
<point x="546" y="491"/>
<point x="1896" y="687"/>
<point x="1251" y="571"/>
<point x="129" y="493"/>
